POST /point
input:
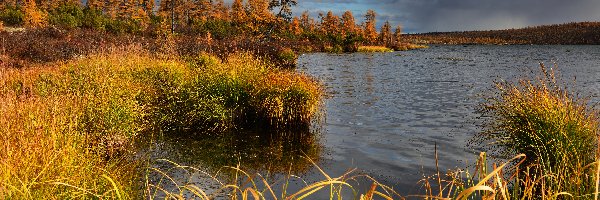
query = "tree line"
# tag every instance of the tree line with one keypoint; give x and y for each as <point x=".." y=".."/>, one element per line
<point x="211" y="18"/>
<point x="580" y="33"/>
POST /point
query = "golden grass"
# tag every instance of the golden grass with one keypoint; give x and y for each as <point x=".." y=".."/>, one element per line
<point x="66" y="129"/>
<point x="555" y="129"/>
<point x="373" y="49"/>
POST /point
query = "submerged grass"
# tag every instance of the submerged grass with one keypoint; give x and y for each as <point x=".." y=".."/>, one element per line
<point x="65" y="130"/>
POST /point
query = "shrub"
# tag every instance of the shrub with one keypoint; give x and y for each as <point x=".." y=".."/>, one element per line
<point x="93" y="19"/>
<point x="66" y="16"/>
<point x="554" y="128"/>
<point x="12" y="16"/>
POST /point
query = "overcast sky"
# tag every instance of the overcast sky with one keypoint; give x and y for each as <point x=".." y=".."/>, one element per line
<point x="459" y="15"/>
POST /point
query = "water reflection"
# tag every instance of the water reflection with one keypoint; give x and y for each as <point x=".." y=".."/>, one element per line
<point x="257" y="150"/>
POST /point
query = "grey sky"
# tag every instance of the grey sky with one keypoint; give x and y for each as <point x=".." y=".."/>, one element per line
<point x="458" y="15"/>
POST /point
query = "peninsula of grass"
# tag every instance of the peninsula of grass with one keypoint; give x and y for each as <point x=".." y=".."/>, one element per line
<point x="374" y="49"/>
<point x="66" y="129"/>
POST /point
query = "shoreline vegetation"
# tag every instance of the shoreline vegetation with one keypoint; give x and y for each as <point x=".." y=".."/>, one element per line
<point x="575" y="33"/>
<point x="79" y="82"/>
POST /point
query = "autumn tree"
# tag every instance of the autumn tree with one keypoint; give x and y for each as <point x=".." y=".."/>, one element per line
<point x="238" y="13"/>
<point x="295" y="28"/>
<point x="330" y="23"/>
<point x="285" y="8"/>
<point x="307" y="22"/>
<point x="348" y="23"/>
<point x="8" y="4"/>
<point x="220" y="11"/>
<point x="176" y="12"/>
<point x="200" y="10"/>
<point x="98" y="4"/>
<point x="148" y="6"/>
<point x="398" y="34"/>
<point x="385" y="35"/>
<point x="370" y="32"/>
<point x="258" y="14"/>
<point x="34" y="17"/>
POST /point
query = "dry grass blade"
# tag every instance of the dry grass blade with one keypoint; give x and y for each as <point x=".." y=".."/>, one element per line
<point x="197" y="191"/>
<point x="78" y="188"/>
<point x="481" y="184"/>
<point x="114" y="185"/>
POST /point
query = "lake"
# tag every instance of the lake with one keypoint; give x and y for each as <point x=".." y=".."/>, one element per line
<point x="385" y="113"/>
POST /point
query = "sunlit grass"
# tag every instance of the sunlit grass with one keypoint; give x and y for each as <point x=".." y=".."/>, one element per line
<point x="66" y="129"/>
<point x="373" y="49"/>
<point x="555" y="129"/>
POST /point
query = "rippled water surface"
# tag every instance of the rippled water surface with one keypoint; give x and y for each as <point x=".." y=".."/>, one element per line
<point x="385" y="113"/>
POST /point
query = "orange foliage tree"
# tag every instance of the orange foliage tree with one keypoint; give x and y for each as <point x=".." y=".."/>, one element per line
<point x="34" y="17"/>
<point x="238" y="13"/>
<point x="398" y="35"/>
<point x="330" y="24"/>
<point x="385" y="35"/>
<point x="370" y="31"/>
<point x="259" y="14"/>
<point x="348" y="24"/>
<point x="307" y="22"/>
<point x="295" y="28"/>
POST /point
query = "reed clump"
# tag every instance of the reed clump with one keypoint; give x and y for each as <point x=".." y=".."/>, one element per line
<point x="373" y="49"/>
<point x="554" y="128"/>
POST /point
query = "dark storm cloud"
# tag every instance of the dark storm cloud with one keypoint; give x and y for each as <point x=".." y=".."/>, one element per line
<point x="453" y="15"/>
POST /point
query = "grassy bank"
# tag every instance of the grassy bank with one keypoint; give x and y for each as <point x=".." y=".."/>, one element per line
<point x="66" y="129"/>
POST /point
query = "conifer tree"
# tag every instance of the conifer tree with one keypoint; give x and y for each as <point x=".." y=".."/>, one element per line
<point x="220" y="11"/>
<point x="385" y="35"/>
<point x="148" y="6"/>
<point x="348" y="23"/>
<point x="202" y="10"/>
<point x="96" y="4"/>
<point x="238" y="13"/>
<point x="307" y="22"/>
<point x="330" y="23"/>
<point x="295" y="26"/>
<point x="285" y="8"/>
<point x="370" y="32"/>
<point x="258" y="14"/>
<point x="398" y="35"/>
<point x="34" y="17"/>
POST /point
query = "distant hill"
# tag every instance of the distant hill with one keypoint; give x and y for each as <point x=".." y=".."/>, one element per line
<point x="580" y="33"/>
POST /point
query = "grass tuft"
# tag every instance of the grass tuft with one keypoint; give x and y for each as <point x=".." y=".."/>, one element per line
<point x="554" y="128"/>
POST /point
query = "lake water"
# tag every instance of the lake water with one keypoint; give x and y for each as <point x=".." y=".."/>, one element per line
<point x="386" y="112"/>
